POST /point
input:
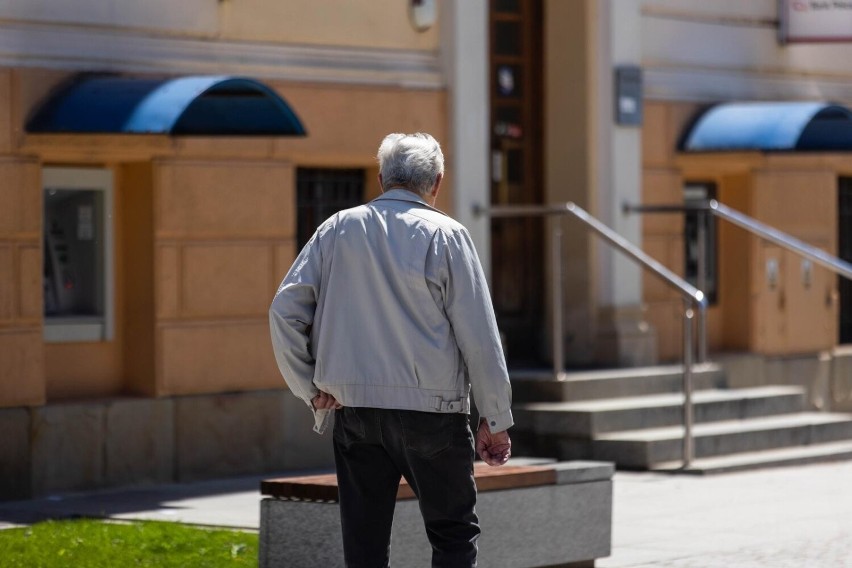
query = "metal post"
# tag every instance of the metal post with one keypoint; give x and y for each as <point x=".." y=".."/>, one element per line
<point x="688" y="446"/>
<point x="558" y="334"/>
<point x="701" y="283"/>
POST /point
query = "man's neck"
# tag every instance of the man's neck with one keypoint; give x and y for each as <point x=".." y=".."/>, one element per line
<point x="429" y="199"/>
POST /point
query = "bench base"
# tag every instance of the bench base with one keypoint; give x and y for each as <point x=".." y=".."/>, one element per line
<point x="567" y="524"/>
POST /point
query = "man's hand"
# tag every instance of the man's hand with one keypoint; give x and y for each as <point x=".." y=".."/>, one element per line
<point x="494" y="449"/>
<point x="324" y="401"/>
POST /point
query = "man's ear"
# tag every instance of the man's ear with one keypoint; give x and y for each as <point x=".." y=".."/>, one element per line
<point x="437" y="187"/>
<point x="381" y="185"/>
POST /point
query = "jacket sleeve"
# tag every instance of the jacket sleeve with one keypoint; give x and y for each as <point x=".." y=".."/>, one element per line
<point x="469" y="309"/>
<point x="290" y="318"/>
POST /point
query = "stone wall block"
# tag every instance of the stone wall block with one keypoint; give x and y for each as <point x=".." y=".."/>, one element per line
<point x="139" y="441"/>
<point x="228" y="434"/>
<point x="302" y="448"/>
<point x="14" y="453"/>
<point x="841" y="380"/>
<point x="67" y="447"/>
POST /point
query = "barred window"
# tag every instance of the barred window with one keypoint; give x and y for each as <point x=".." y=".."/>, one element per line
<point x="322" y="192"/>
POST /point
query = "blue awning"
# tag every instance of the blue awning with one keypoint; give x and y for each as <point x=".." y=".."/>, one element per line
<point x="196" y="105"/>
<point x="771" y="126"/>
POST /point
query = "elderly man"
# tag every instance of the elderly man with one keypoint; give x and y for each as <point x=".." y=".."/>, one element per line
<point x="386" y="317"/>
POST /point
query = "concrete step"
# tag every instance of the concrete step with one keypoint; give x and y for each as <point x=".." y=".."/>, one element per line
<point x="611" y="383"/>
<point x="816" y="453"/>
<point x="591" y="418"/>
<point x="644" y="449"/>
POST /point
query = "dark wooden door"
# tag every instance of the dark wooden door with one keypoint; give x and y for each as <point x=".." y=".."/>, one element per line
<point x="516" y="176"/>
<point x="844" y="241"/>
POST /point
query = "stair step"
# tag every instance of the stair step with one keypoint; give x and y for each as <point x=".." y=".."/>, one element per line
<point x="816" y="453"/>
<point x="593" y="417"/>
<point x="589" y="385"/>
<point x="643" y="449"/>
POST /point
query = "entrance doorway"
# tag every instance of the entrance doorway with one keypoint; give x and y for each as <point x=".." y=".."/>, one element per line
<point x="516" y="175"/>
<point x="844" y="246"/>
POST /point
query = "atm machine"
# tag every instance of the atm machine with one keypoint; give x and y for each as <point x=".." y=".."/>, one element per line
<point x="73" y="254"/>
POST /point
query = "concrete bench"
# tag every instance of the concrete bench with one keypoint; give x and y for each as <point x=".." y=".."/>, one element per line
<point x="548" y="514"/>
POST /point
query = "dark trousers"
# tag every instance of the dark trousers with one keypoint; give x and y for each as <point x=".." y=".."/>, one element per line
<point x="434" y="452"/>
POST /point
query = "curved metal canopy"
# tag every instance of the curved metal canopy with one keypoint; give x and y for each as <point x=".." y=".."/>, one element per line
<point x="771" y="126"/>
<point x="195" y="105"/>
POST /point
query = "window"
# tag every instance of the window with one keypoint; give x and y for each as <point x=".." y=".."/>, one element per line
<point x="78" y="285"/>
<point x="697" y="193"/>
<point x="320" y="193"/>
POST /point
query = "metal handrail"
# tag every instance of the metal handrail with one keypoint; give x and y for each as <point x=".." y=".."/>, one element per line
<point x="782" y="239"/>
<point x="692" y="295"/>
<point x="762" y="230"/>
<point x="752" y="225"/>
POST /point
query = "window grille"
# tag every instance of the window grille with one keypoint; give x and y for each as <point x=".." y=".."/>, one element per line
<point x="322" y="192"/>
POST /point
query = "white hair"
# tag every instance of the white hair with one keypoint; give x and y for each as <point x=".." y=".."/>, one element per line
<point x="410" y="161"/>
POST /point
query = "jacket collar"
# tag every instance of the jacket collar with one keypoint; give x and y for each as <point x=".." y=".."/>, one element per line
<point x="399" y="194"/>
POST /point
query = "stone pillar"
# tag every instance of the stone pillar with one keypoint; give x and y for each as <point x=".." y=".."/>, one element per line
<point x="569" y="100"/>
<point x="464" y="53"/>
<point x="596" y="164"/>
<point x="623" y="336"/>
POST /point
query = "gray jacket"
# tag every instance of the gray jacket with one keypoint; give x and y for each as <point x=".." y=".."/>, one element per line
<point x="387" y="307"/>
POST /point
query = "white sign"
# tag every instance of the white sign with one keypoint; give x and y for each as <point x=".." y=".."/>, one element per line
<point x="85" y="223"/>
<point x="815" y="20"/>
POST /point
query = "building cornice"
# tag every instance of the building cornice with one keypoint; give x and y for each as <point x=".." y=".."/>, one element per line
<point x="710" y="84"/>
<point x="88" y="48"/>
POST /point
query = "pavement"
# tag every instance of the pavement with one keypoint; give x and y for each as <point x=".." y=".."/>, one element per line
<point x="797" y="517"/>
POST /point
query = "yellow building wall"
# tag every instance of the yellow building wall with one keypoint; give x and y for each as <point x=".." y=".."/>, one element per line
<point x="569" y="164"/>
<point x="21" y="353"/>
<point x="6" y="119"/>
<point x="223" y="233"/>
<point x="136" y="216"/>
<point x="372" y="24"/>
<point x="21" y="348"/>
<point x="794" y="193"/>
<point x="204" y="230"/>
<point x="225" y="228"/>
<point x="662" y="234"/>
<point x="734" y="272"/>
<point x="799" y="314"/>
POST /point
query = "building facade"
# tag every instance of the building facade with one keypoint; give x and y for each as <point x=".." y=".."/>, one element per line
<point x="136" y="268"/>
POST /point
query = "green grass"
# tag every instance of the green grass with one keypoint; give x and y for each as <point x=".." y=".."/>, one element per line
<point x="96" y="544"/>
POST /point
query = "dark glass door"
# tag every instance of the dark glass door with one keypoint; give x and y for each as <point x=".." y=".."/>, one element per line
<point x="844" y="243"/>
<point x="516" y="176"/>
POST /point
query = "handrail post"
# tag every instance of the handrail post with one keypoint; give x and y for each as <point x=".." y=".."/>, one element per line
<point x="558" y="327"/>
<point x="688" y="443"/>
<point x="701" y="283"/>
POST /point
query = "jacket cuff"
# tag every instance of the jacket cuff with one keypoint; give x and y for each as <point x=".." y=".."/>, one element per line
<point x="499" y="422"/>
<point x="321" y="418"/>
